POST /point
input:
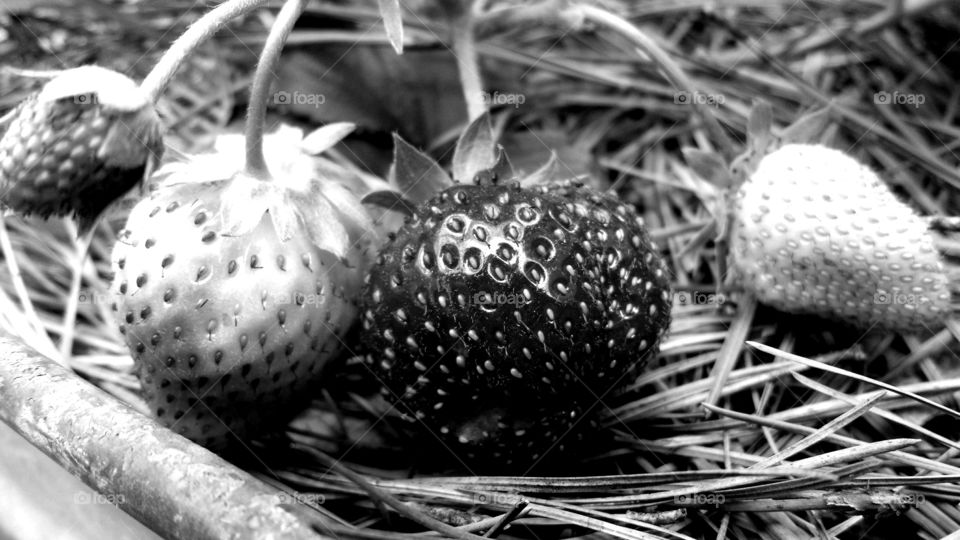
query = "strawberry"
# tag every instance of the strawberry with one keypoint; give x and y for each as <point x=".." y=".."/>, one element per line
<point x="502" y="313"/>
<point x="815" y="231"/>
<point x="87" y="137"/>
<point x="232" y="292"/>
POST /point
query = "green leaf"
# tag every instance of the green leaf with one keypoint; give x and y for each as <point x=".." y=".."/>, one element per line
<point x="390" y="200"/>
<point x="760" y="126"/>
<point x="243" y="202"/>
<point x="326" y="137"/>
<point x="502" y="165"/>
<point x="807" y="129"/>
<point x="710" y="166"/>
<point x="323" y="225"/>
<point x="349" y="206"/>
<point x="530" y="149"/>
<point x="475" y="151"/>
<point x="417" y="176"/>
<point x="760" y="142"/>
<point x="547" y="173"/>
<point x="393" y="23"/>
<point x="417" y="94"/>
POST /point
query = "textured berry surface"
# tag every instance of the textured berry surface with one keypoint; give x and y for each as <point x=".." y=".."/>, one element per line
<point x="817" y="232"/>
<point x="500" y="316"/>
<point x="74" y="154"/>
<point x="228" y="333"/>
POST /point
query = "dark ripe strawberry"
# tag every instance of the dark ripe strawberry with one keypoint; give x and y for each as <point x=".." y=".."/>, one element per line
<point x="77" y="145"/>
<point x="232" y="295"/>
<point x="501" y="317"/>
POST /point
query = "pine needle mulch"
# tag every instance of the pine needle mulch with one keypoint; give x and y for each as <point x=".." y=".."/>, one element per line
<point x="753" y="423"/>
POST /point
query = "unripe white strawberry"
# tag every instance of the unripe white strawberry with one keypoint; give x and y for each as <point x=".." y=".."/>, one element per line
<point x="815" y="231"/>
<point x="233" y="291"/>
<point x="77" y="145"/>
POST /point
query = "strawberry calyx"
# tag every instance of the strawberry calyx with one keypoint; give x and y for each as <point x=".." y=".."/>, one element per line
<point x="761" y="141"/>
<point x="728" y="177"/>
<point x="478" y="159"/>
<point x="294" y="195"/>
<point x="108" y="88"/>
<point x="114" y="93"/>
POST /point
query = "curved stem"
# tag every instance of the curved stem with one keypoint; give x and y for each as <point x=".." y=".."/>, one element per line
<point x="465" y="52"/>
<point x="73" y="301"/>
<point x="198" y="33"/>
<point x="263" y="78"/>
<point x="671" y="70"/>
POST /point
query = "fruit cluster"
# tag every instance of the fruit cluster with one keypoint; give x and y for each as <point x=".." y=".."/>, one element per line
<point x="499" y="316"/>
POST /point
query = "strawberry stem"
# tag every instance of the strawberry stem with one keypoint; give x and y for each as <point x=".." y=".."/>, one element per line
<point x="465" y="52"/>
<point x="674" y="74"/>
<point x="195" y="36"/>
<point x="263" y="80"/>
<point x="73" y="301"/>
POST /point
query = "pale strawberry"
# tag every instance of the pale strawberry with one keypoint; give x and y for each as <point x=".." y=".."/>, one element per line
<point x="815" y="231"/>
<point x="233" y="292"/>
<point x="812" y="230"/>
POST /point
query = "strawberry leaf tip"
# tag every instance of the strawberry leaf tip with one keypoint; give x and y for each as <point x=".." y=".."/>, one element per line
<point x="326" y="137"/>
<point x="760" y="125"/>
<point x="547" y="173"/>
<point x="808" y="129"/>
<point x="476" y="150"/>
<point x="414" y="174"/>
<point x="393" y="23"/>
<point x="390" y="200"/>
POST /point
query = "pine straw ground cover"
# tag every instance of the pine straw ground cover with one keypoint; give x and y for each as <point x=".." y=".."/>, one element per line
<point x="754" y="423"/>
